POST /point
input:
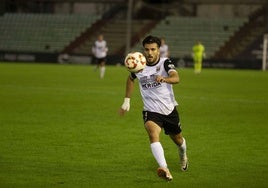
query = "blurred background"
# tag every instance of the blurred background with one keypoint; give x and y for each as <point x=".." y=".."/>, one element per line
<point x="232" y="31"/>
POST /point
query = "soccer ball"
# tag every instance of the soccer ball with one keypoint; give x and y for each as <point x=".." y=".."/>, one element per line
<point x="135" y="62"/>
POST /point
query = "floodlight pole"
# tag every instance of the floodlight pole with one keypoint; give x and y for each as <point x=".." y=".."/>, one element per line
<point x="264" y="54"/>
<point x="129" y="23"/>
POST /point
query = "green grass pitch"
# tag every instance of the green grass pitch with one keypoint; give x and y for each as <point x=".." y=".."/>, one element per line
<point x="59" y="127"/>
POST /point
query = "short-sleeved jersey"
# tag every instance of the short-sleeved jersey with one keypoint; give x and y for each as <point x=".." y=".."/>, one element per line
<point x="100" y="49"/>
<point x="157" y="97"/>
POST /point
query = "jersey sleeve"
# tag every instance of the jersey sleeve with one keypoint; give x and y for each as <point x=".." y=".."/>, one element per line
<point x="169" y="65"/>
<point x="132" y="76"/>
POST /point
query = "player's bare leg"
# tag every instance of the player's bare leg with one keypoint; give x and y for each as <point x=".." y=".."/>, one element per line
<point x="154" y="131"/>
<point x="181" y="143"/>
<point x="102" y="69"/>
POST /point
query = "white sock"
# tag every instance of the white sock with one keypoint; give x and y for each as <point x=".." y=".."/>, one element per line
<point x="102" y="72"/>
<point x="182" y="148"/>
<point x="158" y="154"/>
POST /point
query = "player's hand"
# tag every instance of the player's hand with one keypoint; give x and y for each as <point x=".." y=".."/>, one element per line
<point x="160" y="79"/>
<point x="125" y="106"/>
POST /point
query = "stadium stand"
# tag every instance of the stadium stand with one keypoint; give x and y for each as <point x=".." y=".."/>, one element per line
<point x="54" y="32"/>
<point x="182" y="32"/>
<point x="244" y="42"/>
<point x="41" y="32"/>
<point x="114" y="32"/>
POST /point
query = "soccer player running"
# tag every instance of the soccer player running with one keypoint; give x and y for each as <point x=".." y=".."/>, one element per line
<point x="99" y="50"/>
<point x="159" y="112"/>
<point x="164" y="52"/>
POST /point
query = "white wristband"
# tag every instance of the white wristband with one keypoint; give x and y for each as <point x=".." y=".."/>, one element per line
<point x="126" y="105"/>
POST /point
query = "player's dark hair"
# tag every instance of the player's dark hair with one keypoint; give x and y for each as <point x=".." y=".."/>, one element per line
<point x="151" y="39"/>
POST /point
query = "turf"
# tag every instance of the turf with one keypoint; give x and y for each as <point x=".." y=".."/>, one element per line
<point x="59" y="127"/>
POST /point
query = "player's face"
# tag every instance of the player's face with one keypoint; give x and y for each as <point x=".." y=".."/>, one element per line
<point x="100" y="37"/>
<point x="151" y="52"/>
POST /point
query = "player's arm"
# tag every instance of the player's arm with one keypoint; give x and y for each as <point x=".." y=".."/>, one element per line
<point x="173" y="76"/>
<point x="129" y="89"/>
<point x="93" y="49"/>
<point x="129" y="86"/>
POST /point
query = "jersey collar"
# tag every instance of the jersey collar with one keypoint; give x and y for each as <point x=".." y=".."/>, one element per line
<point x="151" y="65"/>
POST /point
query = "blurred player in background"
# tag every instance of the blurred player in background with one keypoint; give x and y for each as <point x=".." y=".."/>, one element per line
<point x="198" y="52"/>
<point x="99" y="50"/>
<point x="164" y="52"/>
<point x="159" y="111"/>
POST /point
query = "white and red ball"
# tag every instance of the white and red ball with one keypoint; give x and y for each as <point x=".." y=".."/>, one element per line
<point x="135" y="62"/>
